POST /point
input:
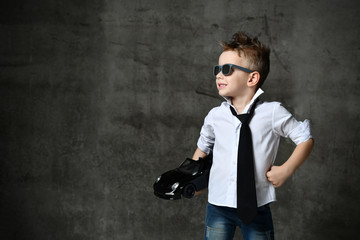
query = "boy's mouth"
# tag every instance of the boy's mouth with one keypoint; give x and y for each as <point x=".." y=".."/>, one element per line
<point x="221" y="85"/>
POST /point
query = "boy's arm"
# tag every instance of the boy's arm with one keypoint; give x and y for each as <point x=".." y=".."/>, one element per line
<point x="277" y="175"/>
<point x="198" y="154"/>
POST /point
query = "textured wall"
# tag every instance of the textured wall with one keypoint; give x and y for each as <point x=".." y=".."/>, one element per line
<point x="99" y="97"/>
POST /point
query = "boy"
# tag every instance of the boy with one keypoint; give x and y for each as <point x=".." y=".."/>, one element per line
<point x="236" y="196"/>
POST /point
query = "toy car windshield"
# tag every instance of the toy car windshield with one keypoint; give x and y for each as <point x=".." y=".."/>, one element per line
<point x="189" y="177"/>
<point x="190" y="166"/>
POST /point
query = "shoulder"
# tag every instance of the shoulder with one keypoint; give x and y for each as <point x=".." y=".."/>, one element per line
<point x="272" y="110"/>
<point x="267" y="106"/>
<point x="219" y="109"/>
<point x="273" y="105"/>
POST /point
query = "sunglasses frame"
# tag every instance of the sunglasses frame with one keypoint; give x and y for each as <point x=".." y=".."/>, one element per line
<point x="231" y="65"/>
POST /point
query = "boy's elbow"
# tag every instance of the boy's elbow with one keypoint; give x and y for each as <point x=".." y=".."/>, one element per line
<point x="310" y="144"/>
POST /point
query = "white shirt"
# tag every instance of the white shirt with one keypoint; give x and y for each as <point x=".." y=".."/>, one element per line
<point x="220" y="133"/>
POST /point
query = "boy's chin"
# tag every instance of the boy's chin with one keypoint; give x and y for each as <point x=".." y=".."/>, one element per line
<point x="221" y="93"/>
<point x="224" y="95"/>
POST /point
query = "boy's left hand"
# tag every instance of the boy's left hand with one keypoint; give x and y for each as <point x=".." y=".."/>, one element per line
<point x="277" y="175"/>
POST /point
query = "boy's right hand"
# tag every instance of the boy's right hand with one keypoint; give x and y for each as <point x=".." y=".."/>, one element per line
<point x="199" y="192"/>
<point x="198" y="154"/>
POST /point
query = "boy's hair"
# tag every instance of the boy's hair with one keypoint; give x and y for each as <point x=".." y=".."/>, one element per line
<point x="257" y="54"/>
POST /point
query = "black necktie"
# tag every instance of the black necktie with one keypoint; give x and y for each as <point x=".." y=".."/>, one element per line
<point x="246" y="191"/>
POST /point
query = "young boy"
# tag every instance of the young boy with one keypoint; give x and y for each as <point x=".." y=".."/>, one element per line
<point x="243" y="68"/>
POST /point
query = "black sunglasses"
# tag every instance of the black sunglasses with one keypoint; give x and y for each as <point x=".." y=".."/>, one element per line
<point x="226" y="69"/>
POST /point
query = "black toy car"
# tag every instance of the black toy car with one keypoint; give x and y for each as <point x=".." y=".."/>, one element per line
<point x="189" y="177"/>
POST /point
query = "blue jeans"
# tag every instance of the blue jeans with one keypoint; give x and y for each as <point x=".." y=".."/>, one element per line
<point x="221" y="223"/>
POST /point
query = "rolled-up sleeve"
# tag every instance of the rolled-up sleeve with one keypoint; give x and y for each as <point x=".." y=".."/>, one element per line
<point x="285" y="125"/>
<point x="207" y="136"/>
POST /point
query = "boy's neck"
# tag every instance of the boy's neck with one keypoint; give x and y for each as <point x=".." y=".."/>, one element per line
<point x="240" y="102"/>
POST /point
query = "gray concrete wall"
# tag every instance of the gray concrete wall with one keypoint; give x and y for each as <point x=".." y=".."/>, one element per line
<point x="100" y="97"/>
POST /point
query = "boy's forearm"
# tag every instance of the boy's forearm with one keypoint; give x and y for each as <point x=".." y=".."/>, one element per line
<point x="277" y="175"/>
<point x="199" y="154"/>
<point x="298" y="157"/>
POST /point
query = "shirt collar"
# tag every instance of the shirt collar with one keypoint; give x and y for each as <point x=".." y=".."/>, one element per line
<point x="247" y="107"/>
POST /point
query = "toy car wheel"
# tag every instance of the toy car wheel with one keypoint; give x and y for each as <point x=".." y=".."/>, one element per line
<point x="189" y="191"/>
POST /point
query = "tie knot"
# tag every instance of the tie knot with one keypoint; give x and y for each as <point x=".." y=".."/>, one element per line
<point x="244" y="118"/>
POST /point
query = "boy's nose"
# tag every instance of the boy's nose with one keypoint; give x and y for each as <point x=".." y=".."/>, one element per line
<point x="219" y="75"/>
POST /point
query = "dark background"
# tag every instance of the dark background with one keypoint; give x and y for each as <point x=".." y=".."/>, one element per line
<point x="100" y="97"/>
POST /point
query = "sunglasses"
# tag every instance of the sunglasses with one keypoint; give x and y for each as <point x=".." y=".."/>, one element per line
<point x="226" y="69"/>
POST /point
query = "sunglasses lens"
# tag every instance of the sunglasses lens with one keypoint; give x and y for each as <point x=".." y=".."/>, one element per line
<point x="226" y="69"/>
<point x="216" y="70"/>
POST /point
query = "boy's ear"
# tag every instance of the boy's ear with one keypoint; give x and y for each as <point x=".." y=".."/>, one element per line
<point x="253" y="79"/>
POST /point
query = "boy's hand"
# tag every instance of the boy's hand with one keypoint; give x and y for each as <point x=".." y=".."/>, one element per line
<point x="277" y="175"/>
<point x="199" y="192"/>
